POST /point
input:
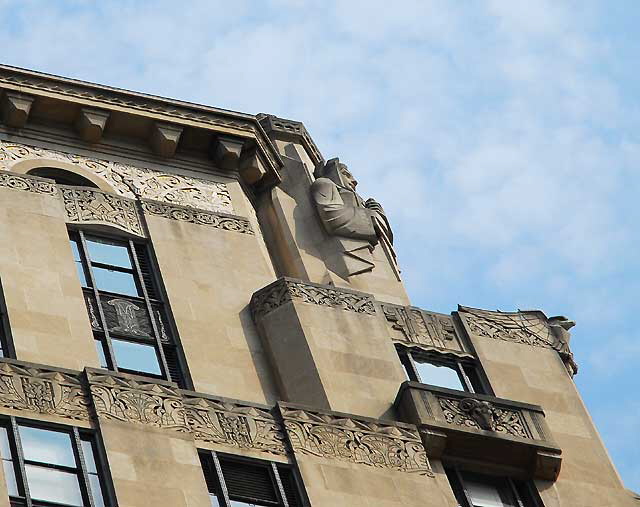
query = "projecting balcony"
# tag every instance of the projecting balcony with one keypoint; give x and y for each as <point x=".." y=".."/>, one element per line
<point x="462" y="426"/>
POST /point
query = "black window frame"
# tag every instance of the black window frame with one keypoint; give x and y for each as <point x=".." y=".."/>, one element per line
<point x="7" y="348"/>
<point x="77" y="435"/>
<point x="521" y="493"/>
<point x="164" y="336"/>
<point x="471" y="376"/>
<point x="285" y="480"/>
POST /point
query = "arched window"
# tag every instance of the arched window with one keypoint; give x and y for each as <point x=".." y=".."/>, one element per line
<point x="62" y="176"/>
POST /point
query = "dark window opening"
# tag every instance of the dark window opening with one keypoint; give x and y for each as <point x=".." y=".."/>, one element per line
<point x="48" y="466"/>
<point x="479" y="490"/>
<point x="6" y="343"/>
<point x="428" y="368"/>
<point x="131" y="327"/>
<point x="243" y="482"/>
<point x="62" y="177"/>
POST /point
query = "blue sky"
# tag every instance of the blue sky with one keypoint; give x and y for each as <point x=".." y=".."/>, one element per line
<point x="501" y="136"/>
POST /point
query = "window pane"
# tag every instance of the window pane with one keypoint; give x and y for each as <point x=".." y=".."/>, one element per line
<point x="44" y="446"/>
<point x="441" y="376"/>
<point x="10" y="477"/>
<point x="484" y="494"/>
<point x="87" y="451"/>
<point x="136" y="357"/>
<point x="115" y="281"/>
<point x="109" y="252"/>
<point x="5" y="448"/>
<point x="101" y="354"/>
<point x="53" y="485"/>
<point x="96" y="490"/>
<point x="214" y="500"/>
<point x="78" y="261"/>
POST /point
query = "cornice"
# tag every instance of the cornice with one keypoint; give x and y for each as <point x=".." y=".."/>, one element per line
<point x="159" y="108"/>
<point x="281" y="128"/>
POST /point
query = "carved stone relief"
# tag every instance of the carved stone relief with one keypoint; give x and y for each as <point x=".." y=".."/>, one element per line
<point x="42" y="391"/>
<point x="199" y="217"/>
<point x="422" y="328"/>
<point x="284" y="290"/>
<point x="28" y="183"/>
<point x="483" y="415"/>
<point x="528" y="327"/>
<point x="128" y="400"/>
<point x="90" y="206"/>
<point x="130" y="181"/>
<point x="356" y="440"/>
<point x="234" y="424"/>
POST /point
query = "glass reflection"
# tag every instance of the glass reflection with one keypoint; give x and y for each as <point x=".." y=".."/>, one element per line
<point x="7" y="463"/>
<point x="109" y="252"/>
<point x="45" y="446"/>
<point x="441" y="376"/>
<point x="78" y="261"/>
<point x="53" y="485"/>
<point x="136" y="357"/>
<point x="115" y="281"/>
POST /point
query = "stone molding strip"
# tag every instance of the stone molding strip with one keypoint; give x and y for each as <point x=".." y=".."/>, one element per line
<point x="26" y="182"/>
<point x="88" y="206"/>
<point x="195" y="216"/>
<point x="357" y="440"/>
<point x="290" y="129"/>
<point x="172" y="110"/>
<point x="285" y="290"/>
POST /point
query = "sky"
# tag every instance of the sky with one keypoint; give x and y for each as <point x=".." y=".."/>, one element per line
<point x="501" y="136"/>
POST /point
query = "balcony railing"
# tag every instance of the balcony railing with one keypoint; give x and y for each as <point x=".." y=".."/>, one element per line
<point x="461" y="426"/>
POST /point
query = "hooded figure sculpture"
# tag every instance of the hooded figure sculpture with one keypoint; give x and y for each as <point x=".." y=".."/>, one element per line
<point x="359" y="225"/>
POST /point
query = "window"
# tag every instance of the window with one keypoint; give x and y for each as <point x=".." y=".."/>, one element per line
<point x="62" y="176"/>
<point x="233" y="481"/>
<point x="478" y="490"/>
<point x="129" y="319"/>
<point x="46" y="466"/>
<point x="6" y="344"/>
<point x="436" y="370"/>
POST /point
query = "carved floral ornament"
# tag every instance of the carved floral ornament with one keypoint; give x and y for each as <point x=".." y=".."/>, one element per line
<point x="285" y="290"/>
<point x="131" y="181"/>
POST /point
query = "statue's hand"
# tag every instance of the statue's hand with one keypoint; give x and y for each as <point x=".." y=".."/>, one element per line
<point x="374" y="205"/>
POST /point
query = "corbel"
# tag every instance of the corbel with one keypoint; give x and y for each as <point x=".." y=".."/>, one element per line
<point x="226" y="152"/>
<point x="90" y="124"/>
<point x="251" y="167"/>
<point x="16" y="108"/>
<point x="164" y="139"/>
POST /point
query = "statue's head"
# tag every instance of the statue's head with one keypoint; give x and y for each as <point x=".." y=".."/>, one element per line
<point x="336" y="172"/>
<point x="562" y="321"/>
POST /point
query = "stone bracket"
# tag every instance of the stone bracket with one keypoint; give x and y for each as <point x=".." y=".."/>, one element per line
<point x="16" y="108"/>
<point x="165" y="138"/>
<point x="90" y="124"/>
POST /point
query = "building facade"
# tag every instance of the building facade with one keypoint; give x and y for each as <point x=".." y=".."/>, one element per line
<point x="198" y="309"/>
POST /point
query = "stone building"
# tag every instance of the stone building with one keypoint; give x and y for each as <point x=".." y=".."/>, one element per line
<point x="199" y="309"/>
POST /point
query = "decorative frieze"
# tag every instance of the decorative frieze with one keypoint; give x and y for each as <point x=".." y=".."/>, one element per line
<point x="199" y="217"/>
<point x="355" y="440"/>
<point x="130" y="181"/>
<point x="234" y="424"/>
<point x="43" y="391"/>
<point x="28" y="183"/>
<point x="418" y="327"/>
<point x="136" y="401"/>
<point x="85" y="205"/>
<point x="285" y="290"/>
<point x="473" y="413"/>
<point x="528" y="327"/>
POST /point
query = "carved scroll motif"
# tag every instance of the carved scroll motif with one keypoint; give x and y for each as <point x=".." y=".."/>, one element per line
<point x="128" y="400"/>
<point x="234" y="424"/>
<point x="483" y="415"/>
<point x="284" y="291"/>
<point x="199" y="217"/>
<point x="130" y="181"/>
<point x="42" y="391"/>
<point x="355" y="440"/>
<point x="422" y="328"/>
<point x="91" y="206"/>
<point x="27" y="183"/>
